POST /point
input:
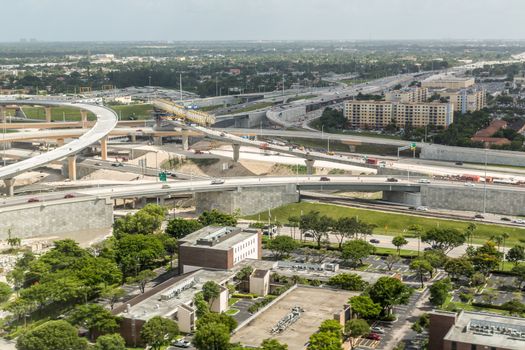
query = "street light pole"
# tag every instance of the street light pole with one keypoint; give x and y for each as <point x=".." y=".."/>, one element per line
<point x="485" y="185"/>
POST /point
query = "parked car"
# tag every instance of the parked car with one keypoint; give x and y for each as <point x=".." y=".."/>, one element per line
<point x="182" y="343"/>
<point x="424" y="181"/>
<point x="377" y="330"/>
<point x="33" y="200"/>
<point x="308" y="234"/>
<point x="69" y="195"/>
<point x="324" y="178"/>
<point x="375" y="241"/>
<point x="392" y="179"/>
<point x="519" y="221"/>
<point x="217" y="181"/>
<point x="373" y="336"/>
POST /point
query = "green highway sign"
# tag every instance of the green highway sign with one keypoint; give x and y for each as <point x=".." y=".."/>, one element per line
<point x="162" y="176"/>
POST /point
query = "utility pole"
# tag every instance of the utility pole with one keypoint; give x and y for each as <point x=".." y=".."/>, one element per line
<point x="485" y="185"/>
<point x="216" y="87"/>
<point x="283" y="84"/>
<point x="180" y="85"/>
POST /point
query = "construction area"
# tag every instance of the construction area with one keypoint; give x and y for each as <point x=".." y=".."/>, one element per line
<point x="316" y="305"/>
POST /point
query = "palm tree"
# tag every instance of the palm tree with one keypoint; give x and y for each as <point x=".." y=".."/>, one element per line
<point x="417" y="231"/>
<point x="469" y="232"/>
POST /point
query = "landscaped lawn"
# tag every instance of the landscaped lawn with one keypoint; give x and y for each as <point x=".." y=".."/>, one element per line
<point x="390" y="223"/>
<point x="57" y="113"/>
<point x="133" y="111"/>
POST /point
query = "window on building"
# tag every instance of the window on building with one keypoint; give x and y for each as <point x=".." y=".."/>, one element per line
<point x="454" y="346"/>
<point x="473" y="347"/>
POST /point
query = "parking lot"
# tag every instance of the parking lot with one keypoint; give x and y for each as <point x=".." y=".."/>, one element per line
<point x="318" y="304"/>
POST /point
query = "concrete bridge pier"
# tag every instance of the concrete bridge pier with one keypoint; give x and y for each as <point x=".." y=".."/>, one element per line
<point x="236" y="151"/>
<point x="104" y="148"/>
<point x="72" y="167"/>
<point x="83" y="117"/>
<point x="2" y="113"/>
<point x="157" y="140"/>
<point x="9" y="187"/>
<point x="185" y="140"/>
<point x="133" y="138"/>
<point x="60" y="142"/>
<point x="48" y="114"/>
<point x="310" y="170"/>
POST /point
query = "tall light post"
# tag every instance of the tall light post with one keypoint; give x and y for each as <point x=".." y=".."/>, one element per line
<point x="485" y="185"/>
<point x="328" y="143"/>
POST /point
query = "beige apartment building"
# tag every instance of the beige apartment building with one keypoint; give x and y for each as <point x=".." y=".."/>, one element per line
<point x="447" y="82"/>
<point x="465" y="100"/>
<point x="407" y="95"/>
<point x="378" y="114"/>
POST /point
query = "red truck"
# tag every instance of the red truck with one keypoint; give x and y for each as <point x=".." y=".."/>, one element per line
<point x="372" y="161"/>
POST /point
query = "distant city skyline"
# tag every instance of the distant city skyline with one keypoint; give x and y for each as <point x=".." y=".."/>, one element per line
<point x="216" y="20"/>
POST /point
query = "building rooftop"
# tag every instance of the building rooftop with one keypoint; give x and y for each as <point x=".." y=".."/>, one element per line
<point x="491" y="330"/>
<point x="258" y="273"/>
<point x="217" y="237"/>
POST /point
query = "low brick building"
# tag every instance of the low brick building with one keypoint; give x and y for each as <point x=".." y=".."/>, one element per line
<point x="218" y="248"/>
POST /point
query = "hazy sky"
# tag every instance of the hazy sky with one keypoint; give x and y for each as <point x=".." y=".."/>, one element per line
<point x="66" y="20"/>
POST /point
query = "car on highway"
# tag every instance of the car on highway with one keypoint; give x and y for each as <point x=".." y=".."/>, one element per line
<point x="181" y="343"/>
<point x="375" y="241"/>
<point x="98" y="164"/>
<point x="505" y="219"/>
<point x="422" y="208"/>
<point x="518" y="221"/>
<point x="33" y="200"/>
<point x="69" y="195"/>
<point x="114" y="164"/>
<point x="217" y="181"/>
<point x="459" y="163"/>
<point x="424" y="181"/>
<point x="392" y="179"/>
<point x="373" y="336"/>
<point x="469" y="184"/>
<point x="479" y="216"/>
<point x="324" y="178"/>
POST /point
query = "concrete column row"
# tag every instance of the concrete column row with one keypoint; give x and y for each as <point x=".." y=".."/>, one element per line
<point x="309" y="166"/>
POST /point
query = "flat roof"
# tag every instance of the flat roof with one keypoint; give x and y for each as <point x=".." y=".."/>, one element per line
<point x="215" y="237"/>
<point x="502" y="332"/>
<point x="157" y="305"/>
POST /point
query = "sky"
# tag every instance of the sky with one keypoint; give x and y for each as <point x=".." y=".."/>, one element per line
<point x="189" y="20"/>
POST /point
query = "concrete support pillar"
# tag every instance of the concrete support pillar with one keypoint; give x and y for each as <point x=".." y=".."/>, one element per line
<point x="9" y="187"/>
<point x="185" y="140"/>
<point x="157" y="140"/>
<point x="309" y="166"/>
<point x="48" y="114"/>
<point x="236" y="148"/>
<point x="162" y="200"/>
<point x="2" y="113"/>
<point x="72" y="167"/>
<point x="104" y="148"/>
<point x="133" y="138"/>
<point x="60" y="142"/>
<point x="83" y="116"/>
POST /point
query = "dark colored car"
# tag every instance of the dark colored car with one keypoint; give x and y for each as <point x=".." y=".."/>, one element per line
<point x="324" y="178"/>
<point x="373" y="336"/>
<point x="459" y="163"/>
<point x="479" y="216"/>
<point x="375" y="241"/>
<point x="69" y="195"/>
<point x="392" y="179"/>
<point x="505" y="219"/>
<point x="33" y="200"/>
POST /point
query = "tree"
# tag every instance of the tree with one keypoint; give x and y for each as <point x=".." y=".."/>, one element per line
<point x="159" y="331"/>
<point x="324" y="341"/>
<point x="213" y="317"/>
<point x="345" y="227"/>
<point x="138" y="252"/>
<point x="416" y="230"/>
<point x="52" y="335"/>
<point x="282" y="246"/>
<point x="331" y="326"/>
<point x="356" y="250"/>
<point x="142" y="279"/>
<point x="179" y="227"/>
<point x="421" y="267"/>
<point x="436" y="258"/>
<point x="201" y="306"/>
<point x="216" y="218"/>
<point x="439" y="291"/>
<point x="389" y="291"/>
<point x="485" y="258"/>
<point x="94" y="318"/>
<point x="5" y="292"/>
<point x="146" y="221"/>
<point x="444" y="239"/>
<point x="398" y="242"/>
<point x="391" y="260"/>
<point x="110" y="342"/>
<point x="356" y="328"/>
<point x="273" y="344"/>
<point x="460" y="267"/>
<point x="212" y="336"/>
<point x="171" y="246"/>
<point x="515" y="307"/>
<point x="113" y="295"/>
<point x="211" y="291"/>
<point x="469" y="232"/>
<point x="365" y="307"/>
<point x="519" y="271"/>
<point x="318" y="226"/>
<point x="293" y="221"/>
<point x="516" y="254"/>
<point x="347" y="281"/>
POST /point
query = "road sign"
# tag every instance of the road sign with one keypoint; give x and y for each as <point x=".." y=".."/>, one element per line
<point x="163" y="176"/>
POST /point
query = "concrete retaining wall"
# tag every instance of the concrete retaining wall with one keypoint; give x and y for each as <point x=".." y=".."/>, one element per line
<point x="408" y="198"/>
<point x="471" y="155"/>
<point x="498" y="201"/>
<point x="58" y="218"/>
<point x="247" y="200"/>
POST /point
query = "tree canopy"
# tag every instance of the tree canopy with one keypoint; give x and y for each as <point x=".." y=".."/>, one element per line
<point x="389" y="291"/>
<point x="356" y="250"/>
<point x="217" y="218"/>
<point x="159" y="331"/>
<point x="364" y="306"/>
<point x="179" y="227"/>
<point x="282" y="246"/>
<point x="444" y="239"/>
<point x="348" y="281"/>
<point x="52" y="335"/>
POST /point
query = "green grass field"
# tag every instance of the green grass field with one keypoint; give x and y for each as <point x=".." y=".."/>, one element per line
<point x="133" y="112"/>
<point x="254" y="107"/>
<point x="210" y="108"/>
<point x="57" y="113"/>
<point x="391" y="223"/>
